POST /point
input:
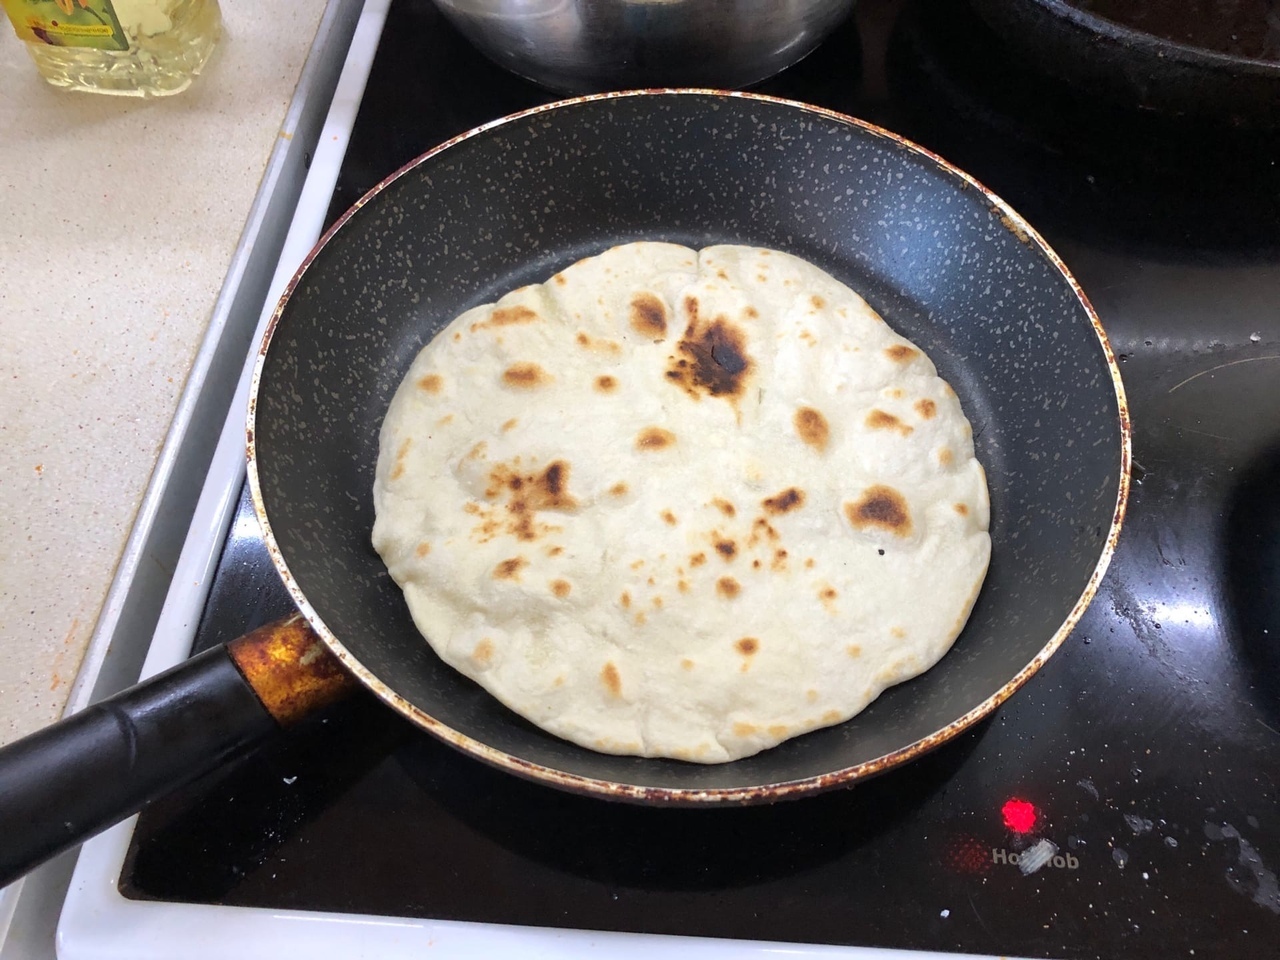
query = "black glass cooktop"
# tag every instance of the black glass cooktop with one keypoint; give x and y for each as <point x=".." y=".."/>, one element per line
<point x="1147" y="751"/>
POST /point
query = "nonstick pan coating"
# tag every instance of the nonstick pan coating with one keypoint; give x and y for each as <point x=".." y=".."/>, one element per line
<point x="946" y="264"/>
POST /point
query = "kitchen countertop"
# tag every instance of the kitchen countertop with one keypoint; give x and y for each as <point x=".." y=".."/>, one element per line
<point x="118" y="219"/>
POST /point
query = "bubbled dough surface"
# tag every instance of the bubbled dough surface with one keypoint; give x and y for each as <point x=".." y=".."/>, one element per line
<point x="681" y="504"/>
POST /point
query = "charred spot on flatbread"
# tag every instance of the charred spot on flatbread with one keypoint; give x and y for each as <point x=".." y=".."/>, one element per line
<point x="648" y="316"/>
<point x="812" y="427"/>
<point x="789" y="499"/>
<point x="901" y="353"/>
<point x="525" y="376"/>
<point x="880" y="507"/>
<point x="506" y="317"/>
<point x="711" y="358"/>
<point x="654" y="438"/>
<point x="878" y="419"/>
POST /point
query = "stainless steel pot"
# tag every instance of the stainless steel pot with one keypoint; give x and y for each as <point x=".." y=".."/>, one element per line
<point x="592" y="45"/>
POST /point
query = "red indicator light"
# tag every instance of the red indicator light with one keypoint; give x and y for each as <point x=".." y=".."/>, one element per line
<point x="1019" y="815"/>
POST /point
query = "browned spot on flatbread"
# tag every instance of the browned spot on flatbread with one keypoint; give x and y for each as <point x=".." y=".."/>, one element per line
<point x="897" y="633"/>
<point x="727" y="549"/>
<point x="711" y="358"/>
<point x="598" y="344"/>
<point x="748" y="646"/>
<point x="812" y="427"/>
<point x="423" y="549"/>
<point x="789" y="499"/>
<point x="962" y="509"/>
<point x="682" y="586"/>
<point x="525" y="376"/>
<point x="779" y="560"/>
<point x="483" y="653"/>
<point x="831" y="716"/>
<point x="654" y="438"/>
<point x="526" y="493"/>
<point x="880" y="507"/>
<point x="741" y="729"/>
<point x="561" y="588"/>
<point x="648" y="316"/>
<point x="640" y="619"/>
<point x="926" y="408"/>
<point x="752" y="313"/>
<point x="853" y="650"/>
<point x="398" y="470"/>
<point x="900" y="353"/>
<point x="559" y="280"/>
<point x="611" y="679"/>
<point x="945" y="456"/>
<point x="431" y="383"/>
<point x="877" y="419"/>
<point x="808" y="563"/>
<point x="506" y="317"/>
<point x="657" y="602"/>
<point x="698" y="559"/>
<point x="811" y="695"/>
<point x="510" y="569"/>
<point x="828" y="593"/>
<point x="554" y="551"/>
<point x="762" y="529"/>
<point x="724" y="506"/>
<point x="668" y="517"/>
<point x="779" y="731"/>
<point x="818" y="302"/>
<point x="625" y="600"/>
<point x="728" y="587"/>
<point x="755" y="564"/>
<point x="619" y="489"/>
<point x="686" y="663"/>
<point x="606" y="383"/>
<point x="509" y="425"/>
<point x="721" y="274"/>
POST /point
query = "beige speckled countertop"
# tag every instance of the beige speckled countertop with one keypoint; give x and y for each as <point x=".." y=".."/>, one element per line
<point x="118" y="218"/>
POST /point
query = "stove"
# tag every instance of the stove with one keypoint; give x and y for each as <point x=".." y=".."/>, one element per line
<point x="1146" y="751"/>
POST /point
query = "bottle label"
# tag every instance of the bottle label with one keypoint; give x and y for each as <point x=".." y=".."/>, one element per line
<point x="67" y="23"/>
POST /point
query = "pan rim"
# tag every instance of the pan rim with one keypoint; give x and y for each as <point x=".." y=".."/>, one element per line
<point x="1156" y="45"/>
<point x="764" y="793"/>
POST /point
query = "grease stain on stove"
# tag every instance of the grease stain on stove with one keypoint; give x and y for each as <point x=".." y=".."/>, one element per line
<point x="1247" y="874"/>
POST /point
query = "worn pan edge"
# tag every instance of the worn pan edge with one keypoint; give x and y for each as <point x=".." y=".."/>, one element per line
<point x="764" y="793"/>
<point x="1154" y="45"/>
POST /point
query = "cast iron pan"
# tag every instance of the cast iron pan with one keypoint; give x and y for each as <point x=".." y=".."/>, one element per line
<point x="943" y="260"/>
<point x="1139" y="69"/>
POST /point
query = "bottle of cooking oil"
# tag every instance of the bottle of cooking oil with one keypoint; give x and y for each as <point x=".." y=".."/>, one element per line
<point x="136" y="48"/>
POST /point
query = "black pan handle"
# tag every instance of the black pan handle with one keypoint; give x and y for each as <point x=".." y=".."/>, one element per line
<point x="70" y="781"/>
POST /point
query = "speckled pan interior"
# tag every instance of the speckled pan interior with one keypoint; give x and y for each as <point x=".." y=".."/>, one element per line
<point x="518" y="201"/>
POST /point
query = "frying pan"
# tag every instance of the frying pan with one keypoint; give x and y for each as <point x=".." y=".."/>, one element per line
<point x="947" y="263"/>
<point x="1136" y="68"/>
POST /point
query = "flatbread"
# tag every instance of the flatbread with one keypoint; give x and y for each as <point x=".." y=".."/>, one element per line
<point x="681" y="504"/>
